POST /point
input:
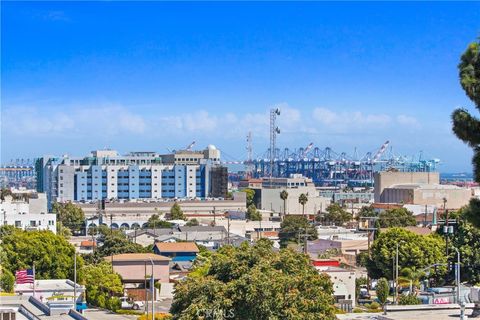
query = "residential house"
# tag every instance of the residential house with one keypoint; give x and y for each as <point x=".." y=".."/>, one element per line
<point x="177" y="251"/>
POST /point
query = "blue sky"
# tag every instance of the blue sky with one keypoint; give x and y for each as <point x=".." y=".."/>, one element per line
<point x="78" y="76"/>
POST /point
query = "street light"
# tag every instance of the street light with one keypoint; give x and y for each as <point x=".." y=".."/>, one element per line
<point x="153" y="290"/>
<point x="457" y="274"/>
<point x="396" y="271"/>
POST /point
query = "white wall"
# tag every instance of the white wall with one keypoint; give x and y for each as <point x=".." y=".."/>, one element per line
<point x="270" y="200"/>
<point x="32" y="215"/>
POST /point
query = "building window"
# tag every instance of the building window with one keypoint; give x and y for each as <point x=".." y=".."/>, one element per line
<point x="61" y="177"/>
<point x="18" y="224"/>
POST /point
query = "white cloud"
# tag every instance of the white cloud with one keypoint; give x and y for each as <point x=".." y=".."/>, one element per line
<point x="105" y="120"/>
<point x="110" y="121"/>
<point x="325" y="116"/>
<point x="351" y="119"/>
<point x="407" y="120"/>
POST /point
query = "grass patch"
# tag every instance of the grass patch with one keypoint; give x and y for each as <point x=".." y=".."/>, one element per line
<point x="130" y="312"/>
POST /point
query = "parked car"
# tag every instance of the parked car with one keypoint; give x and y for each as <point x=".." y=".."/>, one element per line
<point x="364" y="294"/>
<point x="128" y="303"/>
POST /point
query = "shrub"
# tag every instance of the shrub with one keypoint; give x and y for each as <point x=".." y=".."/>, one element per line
<point x="113" y="303"/>
<point x="339" y="311"/>
<point x="409" y="300"/>
<point x="374" y="305"/>
<point x="382" y="290"/>
<point x="357" y="310"/>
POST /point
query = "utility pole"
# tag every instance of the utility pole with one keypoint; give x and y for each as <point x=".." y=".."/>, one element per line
<point x="228" y="229"/>
<point x="393" y="280"/>
<point x="111" y="223"/>
<point x="396" y="275"/>
<point x="305" y="244"/>
<point x="153" y="291"/>
<point x="75" y="281"/>
<point x="425" y="217"/>
<point x="146" y="296"/>
<point x="445" y="230"/>
<point x="214" y="220"/>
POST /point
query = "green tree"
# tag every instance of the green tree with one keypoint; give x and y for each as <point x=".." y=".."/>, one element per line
<point x="366" y="211"/>
<point x="192" y="222"/>
<point x="101" y="284"/>
<point x="292" y="229"/>
<point x="253" y="214"/>
<point x="154" y="222"/>
<point x="398" y="217"/>
<point x="411" y="252"/>
<point x="465" y="126"/>
<point x="382" y="290"/>
<point x="411" y="276"/>
<point x="250" y="193"/>
<point x="101" y="230"/>
<point x="7" y="280"/>
<point x="467" y="240"/>
<point x="6" y="230"/>
<point x="176" y="212"/>
<point x="255" y="282"/>
<point x="284" y="197"/>
<point x="117" y="243"/>
<point x="70" y="215"/>
<point x="303" y="199"/>
<point x="337" y="215"/>
<point x="51" y="254"/>
<point x="63" y="231"/>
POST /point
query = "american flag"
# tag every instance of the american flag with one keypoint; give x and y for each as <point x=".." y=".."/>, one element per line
<point x="25" y="276"/>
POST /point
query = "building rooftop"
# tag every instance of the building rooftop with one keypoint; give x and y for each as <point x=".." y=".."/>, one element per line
<point x="47" y="285"/>
<point x="88" y="243"/>
<point x="423" y="186"/>
<point x="177" y="247"/>
<point x="417" y="230"/>
<point x="137" y="257"/>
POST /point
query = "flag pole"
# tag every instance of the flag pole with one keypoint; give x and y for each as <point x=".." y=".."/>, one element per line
<point x="34" y="279"/>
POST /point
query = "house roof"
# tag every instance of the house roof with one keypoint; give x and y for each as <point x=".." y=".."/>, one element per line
<point x="177" y="247"/>
<point x="151" y="232"/>
<point x="270" y="234"/>
<point x="88" y="243"/>
<point x="417" y="230"/>
<point x="378" y="205"/>
<point x="137" y="257"/>
<point x="202" y="229"/>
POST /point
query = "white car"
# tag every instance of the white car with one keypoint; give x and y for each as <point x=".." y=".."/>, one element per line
<point x="128" y="303"/>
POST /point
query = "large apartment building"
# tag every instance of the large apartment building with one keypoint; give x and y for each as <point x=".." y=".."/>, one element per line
<point x="138" y="175"/>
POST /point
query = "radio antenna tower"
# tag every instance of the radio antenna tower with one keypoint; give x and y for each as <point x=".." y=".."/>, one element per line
<point x="274" y="130"/>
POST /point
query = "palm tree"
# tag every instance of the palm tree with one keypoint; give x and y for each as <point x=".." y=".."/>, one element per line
<point x="411" y="277"/>
<point x="284" y="196"/>
<point x="302" y="199"/>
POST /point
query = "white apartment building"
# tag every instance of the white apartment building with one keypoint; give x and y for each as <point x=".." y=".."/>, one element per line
<point x="28" y="213"/>
<point x="295" y="186"/>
